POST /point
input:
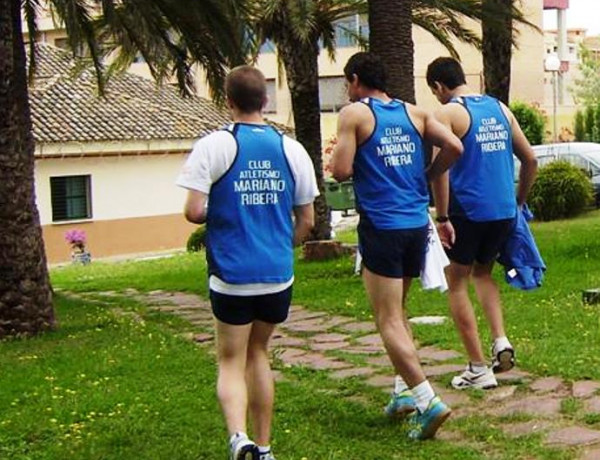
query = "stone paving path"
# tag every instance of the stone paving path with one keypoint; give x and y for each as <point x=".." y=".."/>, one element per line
<point x="335" y="344"/>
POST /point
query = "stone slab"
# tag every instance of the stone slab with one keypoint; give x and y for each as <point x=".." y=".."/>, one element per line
<point x="442" y="369"/>
<point x="358" y="327"/>
<point x="514" y="375"/>
<point x="285" y="341"/>
<point x="365" y="350"/>
<point x="542" y="406"/>
<point x="352" y="372"/>
<point x="304" y="315"/>
<point x="592" y="453"/>
<point x="500" y="393"/>
<point x="585" y="388"/>
<point x="332" y="337"/>
<point x="436" y="354"/>
<point x="326" y="346"/>
<point x="371" y="340"/>
<point x="547" y="385"/>
<point x="593" y="405"/>
<point x="382" y="361"/>
<point x="309" y="325"/>
<point x="573" y="436"/>
<point x="202" y="338"/>
<point x="428" y="320"/>
<point x="381" y="381"/>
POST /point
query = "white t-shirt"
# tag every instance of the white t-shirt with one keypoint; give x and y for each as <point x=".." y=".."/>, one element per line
<point x="211" y="157"/>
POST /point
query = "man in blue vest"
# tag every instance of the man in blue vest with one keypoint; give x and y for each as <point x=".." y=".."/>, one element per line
<point x="476" y="205"/>
<point x="245" y="181"/>
<point x="381" y="145"/>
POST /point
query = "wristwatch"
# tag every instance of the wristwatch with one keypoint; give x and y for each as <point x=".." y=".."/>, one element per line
<point x="442" y="219"/>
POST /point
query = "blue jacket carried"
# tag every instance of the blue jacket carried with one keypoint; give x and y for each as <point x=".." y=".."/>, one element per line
<point x="523" y="264"/>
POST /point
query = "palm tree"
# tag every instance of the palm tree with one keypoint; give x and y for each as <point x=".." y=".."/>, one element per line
<point x="497" y="36"/>
<point x="391" y="23"/>
<point x="171" y="35"/>
<point x="390" y="28"/>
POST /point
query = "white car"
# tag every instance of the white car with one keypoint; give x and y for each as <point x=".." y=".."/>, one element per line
<point x="584" y="155"/>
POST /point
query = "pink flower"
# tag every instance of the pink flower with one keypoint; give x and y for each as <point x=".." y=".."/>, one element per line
<point x="75" y="238"/>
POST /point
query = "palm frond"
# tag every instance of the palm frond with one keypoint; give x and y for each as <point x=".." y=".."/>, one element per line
<point x="31" y="9"/>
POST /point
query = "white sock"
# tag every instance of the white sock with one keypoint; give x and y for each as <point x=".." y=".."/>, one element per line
<point x="264" y="449"/>
<point x="478" y="368"/>
<point x="399" y="384"/>
<point x="423" y="394"/>
<point x="501" y="343"/>
<point x="237" y="435"/>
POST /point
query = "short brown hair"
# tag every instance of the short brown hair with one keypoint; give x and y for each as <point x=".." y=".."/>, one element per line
<point x="246" y="88"/>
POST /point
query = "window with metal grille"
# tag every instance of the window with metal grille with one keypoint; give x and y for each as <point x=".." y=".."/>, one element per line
<point x="71" y="198"/>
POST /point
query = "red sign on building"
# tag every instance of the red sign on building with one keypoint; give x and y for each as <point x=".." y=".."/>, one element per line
<point x="556" y="4"/>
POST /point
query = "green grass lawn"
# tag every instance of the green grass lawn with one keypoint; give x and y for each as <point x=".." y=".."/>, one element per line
<point x="113" y="386"/>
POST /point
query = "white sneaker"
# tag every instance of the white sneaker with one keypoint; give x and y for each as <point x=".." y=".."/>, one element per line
<point x="469" y="379"/>
<point x="503" y="358"/>
<point x="242" y="448"/>
<point x="267" y="456"/>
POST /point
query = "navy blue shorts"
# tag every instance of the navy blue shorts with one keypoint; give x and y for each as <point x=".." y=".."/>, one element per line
<point x="239" y="310"/>
<point x="393" y="253"/>
<point x="478" y="241"/>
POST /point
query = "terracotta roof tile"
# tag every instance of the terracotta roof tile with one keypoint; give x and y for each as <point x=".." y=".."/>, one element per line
<point x="66" y="107"/>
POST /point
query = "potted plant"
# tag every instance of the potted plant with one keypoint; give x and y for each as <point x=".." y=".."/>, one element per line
<point x="77" y="239"/>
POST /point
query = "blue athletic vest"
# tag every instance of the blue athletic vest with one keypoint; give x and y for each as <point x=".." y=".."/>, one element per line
<point x="389" y="170"/>
<point x="482" y="180"/>
<point x="249" y="223"/>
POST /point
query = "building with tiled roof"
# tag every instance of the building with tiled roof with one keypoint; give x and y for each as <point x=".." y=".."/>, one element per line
<point x="107" y="165"/>
<point x="66" y="107"/>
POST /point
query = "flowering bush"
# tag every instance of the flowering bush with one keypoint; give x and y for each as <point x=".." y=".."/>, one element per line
<point x="327" y="152"/>
<point x="76" y="238"/>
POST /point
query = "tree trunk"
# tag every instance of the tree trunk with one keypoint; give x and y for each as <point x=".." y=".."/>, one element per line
<point x="390" y="37"/>
<point x="25" y="293"/>
<point x="300" y="60"/>
<point x="496" y="28"/>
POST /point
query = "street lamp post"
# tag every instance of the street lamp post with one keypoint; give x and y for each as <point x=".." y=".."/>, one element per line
<point x="552" y="64"/>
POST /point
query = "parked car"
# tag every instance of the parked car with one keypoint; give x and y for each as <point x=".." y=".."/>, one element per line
<point x="584" y="155"/>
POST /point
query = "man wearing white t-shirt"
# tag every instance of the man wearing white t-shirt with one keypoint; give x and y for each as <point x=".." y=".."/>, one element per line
<point x="245" y="181"/>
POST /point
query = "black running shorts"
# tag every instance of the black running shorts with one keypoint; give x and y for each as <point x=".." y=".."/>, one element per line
<point x="239" y="310"/>
<point x="393" y="253"/>
<point x="478" y="241"/>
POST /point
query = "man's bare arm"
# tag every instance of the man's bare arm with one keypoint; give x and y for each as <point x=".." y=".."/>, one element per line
<point x="304" y="222"/>
<point x="345" y="149"/>
<point x="450" y="147"/>
<point x="195" y="207"/>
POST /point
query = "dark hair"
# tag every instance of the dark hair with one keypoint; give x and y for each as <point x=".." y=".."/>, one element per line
<point x="445" y="70"/>
<point x="369" y="69"/>
<point x="245" y="86"/>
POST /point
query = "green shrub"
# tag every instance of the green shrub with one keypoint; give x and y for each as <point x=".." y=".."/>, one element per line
<point x="531" y="120"/>
<point x="561" y="190"/>
<point x="197" y="239"/>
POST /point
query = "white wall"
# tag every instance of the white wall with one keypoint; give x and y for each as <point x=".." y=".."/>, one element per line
<point x="121" y="187"/>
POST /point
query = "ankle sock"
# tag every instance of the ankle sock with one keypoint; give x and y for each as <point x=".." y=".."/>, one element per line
<point x="264" y="449"/>
<point x="237" y="435"/>
<point x="399" y="384"/>
<point x="501" y="343"/>
<point x="478" y="368"/>
<point x="423" y="394"/>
